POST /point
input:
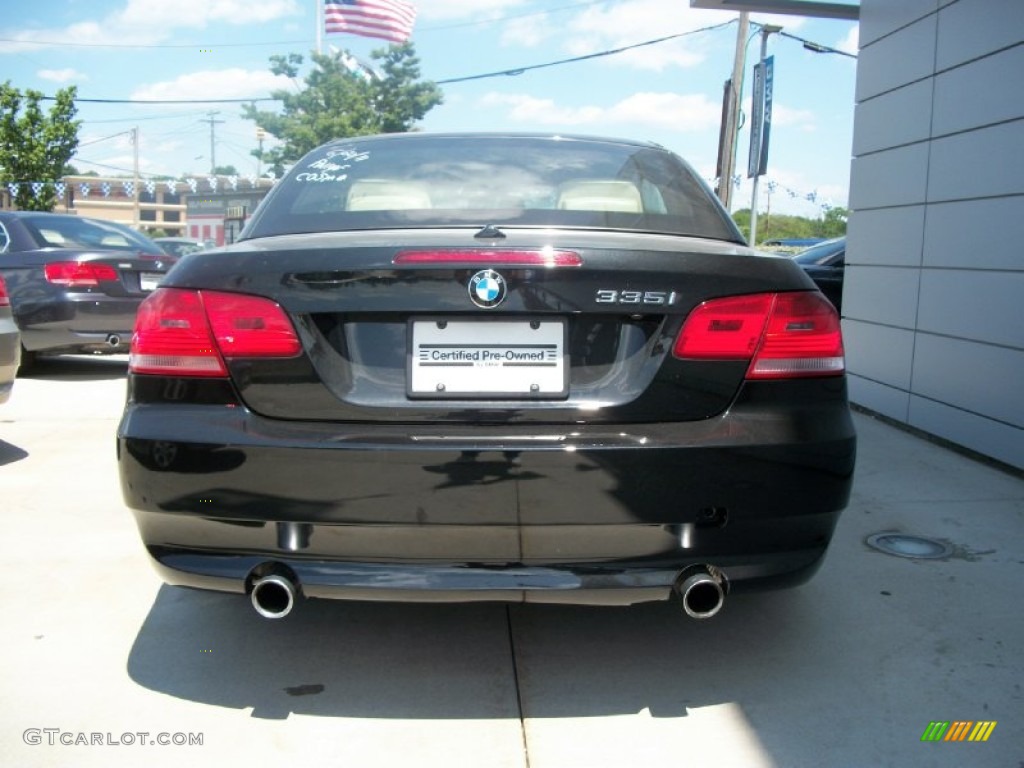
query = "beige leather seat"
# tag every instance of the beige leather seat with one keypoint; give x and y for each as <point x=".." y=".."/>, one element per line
<point x="387" y="195"/>
<point x="611" y="195"/>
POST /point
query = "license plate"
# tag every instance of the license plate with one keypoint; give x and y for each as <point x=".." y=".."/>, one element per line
<point x="488" y="358"/>
<point x="148" y="281"/>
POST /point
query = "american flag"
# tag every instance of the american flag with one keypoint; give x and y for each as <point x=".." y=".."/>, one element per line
<point x="387" y="19"/>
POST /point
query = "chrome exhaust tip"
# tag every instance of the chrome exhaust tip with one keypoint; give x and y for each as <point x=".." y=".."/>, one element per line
<point x="273" y="596"/>
<point x="702" y="591"/>
<point x="113" y="340"/>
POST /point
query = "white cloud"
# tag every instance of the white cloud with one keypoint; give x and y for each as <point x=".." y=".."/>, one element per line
<point x="607" y="27"/>
<point x="150" y="14"/>
<point x="460" y="9"/>
<point x="528" y="109"/>
<point x="234" y="83"/>
<point x="618" y="25"/>
<point x="804" y="119"/>
<point x="169" y="146"/>
<point x="528" y="31"/>
<point x="147" y="22"/>
<point x="850" y="43"/>
<point x="61" y="75"/>
<point x="680" y="112"/>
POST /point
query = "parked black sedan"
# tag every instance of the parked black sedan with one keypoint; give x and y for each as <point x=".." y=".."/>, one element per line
<point x="825" y="264"/>
<point x="487" y="367"/>
<point x="75" y="283"/>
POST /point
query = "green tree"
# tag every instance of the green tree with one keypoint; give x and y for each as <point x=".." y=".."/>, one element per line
<point x="832" y="223"/>
<point x="337" y="102"/>
<point x="225" y="170"/>
<point x="782" y="227"/>
<point x="35" y="147"/>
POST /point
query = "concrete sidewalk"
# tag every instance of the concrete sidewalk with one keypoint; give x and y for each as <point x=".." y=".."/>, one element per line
<point x="847" y="670"/>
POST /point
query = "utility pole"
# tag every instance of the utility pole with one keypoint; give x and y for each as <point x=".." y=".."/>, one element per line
<point x="731" y="112"/>
<point x="755" y="141"/>
<point x="212" y="122"/>
<point x="260" y="136"/>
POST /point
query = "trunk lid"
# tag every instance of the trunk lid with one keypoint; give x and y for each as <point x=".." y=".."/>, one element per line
<point x="359" y="308"/>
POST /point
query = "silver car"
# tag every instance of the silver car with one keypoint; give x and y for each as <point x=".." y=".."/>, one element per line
<point x="10" y="345"/>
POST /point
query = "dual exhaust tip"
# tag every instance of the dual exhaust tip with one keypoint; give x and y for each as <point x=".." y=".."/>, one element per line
<point x="701" y="590"/>
<point x="273" y="595"/>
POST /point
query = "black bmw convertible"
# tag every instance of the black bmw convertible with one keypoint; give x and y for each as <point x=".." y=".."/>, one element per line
<point x="487" y="367"/>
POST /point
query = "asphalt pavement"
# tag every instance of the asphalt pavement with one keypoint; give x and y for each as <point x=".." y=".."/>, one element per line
<point x="105" y="666"/>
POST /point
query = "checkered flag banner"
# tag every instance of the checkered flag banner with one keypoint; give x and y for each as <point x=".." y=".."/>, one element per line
<point x="61" y="188"/>
<point x="37" y="187"/>
<point x="13" y="187"/>
<point x="151" y="187"/>
<point x="212" y="180"/>
<point x="193" y="185"/>
<point x="129" y="188"/>
<point x="83" y="189"/>
<point x="172" y="187"/>
<point x="252" y="180"/>
<point x="233" y="181"/>
<point x="105" y="188"/>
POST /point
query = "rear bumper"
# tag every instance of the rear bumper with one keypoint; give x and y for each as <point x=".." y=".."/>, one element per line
<point x="592" y="584"/>
<point x="591" y="513"/>
<point x="75" y="322"/>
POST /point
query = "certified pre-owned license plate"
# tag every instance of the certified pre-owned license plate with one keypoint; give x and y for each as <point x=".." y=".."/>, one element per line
<point x="148" y="281"/>
<point x="487" y="358"/>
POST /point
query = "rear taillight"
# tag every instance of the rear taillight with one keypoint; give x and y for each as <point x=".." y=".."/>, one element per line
<point x="250" y="326"/>
<point x="5" y="299"/>
<point x="784" y="335"/>
<point x="78" y="274"/>
<point x="189" y="333"/>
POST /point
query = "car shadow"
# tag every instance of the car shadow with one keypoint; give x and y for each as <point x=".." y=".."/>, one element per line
<point x="441" y="661"/>
<point x="11" y="453"/>
<point x="77" y="368"/>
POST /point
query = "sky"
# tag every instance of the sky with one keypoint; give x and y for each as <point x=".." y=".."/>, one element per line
<point x="668" y="92"/>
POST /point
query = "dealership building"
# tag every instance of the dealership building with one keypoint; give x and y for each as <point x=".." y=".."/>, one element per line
<point x="933" y="300"/>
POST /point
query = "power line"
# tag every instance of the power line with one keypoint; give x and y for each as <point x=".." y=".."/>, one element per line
<point x="512" y="72"/>
<point x="520" y="70"/>
<point x="105" y="138"/>
<point x="505" y="72"/>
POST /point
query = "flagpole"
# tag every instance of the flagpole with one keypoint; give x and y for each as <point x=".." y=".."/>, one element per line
<point x="319" y="26"/>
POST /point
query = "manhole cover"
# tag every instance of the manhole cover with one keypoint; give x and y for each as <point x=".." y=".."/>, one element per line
<point x="907" y="545"/>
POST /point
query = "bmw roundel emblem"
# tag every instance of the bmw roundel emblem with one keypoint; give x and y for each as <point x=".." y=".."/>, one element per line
<point x="487" y="289"/>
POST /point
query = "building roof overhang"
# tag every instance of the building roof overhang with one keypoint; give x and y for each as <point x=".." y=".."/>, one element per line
<point x="850" y="9"/>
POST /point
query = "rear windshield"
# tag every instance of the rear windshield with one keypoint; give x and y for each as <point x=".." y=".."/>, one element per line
<point x="437" y="181"/>
<point x="71" y="232"/>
